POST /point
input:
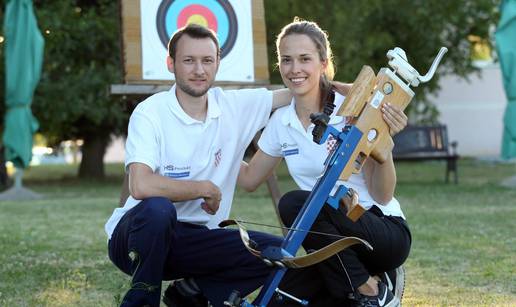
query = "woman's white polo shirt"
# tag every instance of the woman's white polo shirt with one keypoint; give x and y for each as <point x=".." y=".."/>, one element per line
<point x="286" y="137"/>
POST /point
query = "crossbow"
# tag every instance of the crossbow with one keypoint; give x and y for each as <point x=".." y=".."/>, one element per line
<point x="366" y="135"/>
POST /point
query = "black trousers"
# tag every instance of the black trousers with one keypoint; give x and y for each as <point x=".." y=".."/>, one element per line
<point x="151" y="245"/>
<point x="389" y="236"/>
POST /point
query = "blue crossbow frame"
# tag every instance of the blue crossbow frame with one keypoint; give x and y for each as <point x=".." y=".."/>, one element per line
<point x="346" y="142"/>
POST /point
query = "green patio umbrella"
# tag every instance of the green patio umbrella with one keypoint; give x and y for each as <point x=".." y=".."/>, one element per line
<point x="23" y="60"/>
<point x="506" y="46"/>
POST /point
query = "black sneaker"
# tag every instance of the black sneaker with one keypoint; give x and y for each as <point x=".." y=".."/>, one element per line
<point x="385" y="298"/>
<point x="180" y="294"/>
<point x="395" y="281"/>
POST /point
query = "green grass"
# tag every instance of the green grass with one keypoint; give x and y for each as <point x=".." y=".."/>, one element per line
<point x="53" y="251"/>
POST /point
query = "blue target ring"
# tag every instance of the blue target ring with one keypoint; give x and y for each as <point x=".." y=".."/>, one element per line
<point x="218" y="15"/>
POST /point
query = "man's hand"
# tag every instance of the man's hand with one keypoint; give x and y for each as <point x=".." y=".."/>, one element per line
<point x="212" y="197"/>
<point x="394" y="117"/>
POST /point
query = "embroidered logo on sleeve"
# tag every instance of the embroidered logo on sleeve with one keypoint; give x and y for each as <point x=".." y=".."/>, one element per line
<point x="290" y="152"/>
<point x="287" y="149"/>
<point x="177" y="171"/>
<point x="177" y="175"/>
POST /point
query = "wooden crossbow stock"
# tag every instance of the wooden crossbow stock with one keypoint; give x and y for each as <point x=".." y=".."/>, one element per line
<point x="367" y="135"/>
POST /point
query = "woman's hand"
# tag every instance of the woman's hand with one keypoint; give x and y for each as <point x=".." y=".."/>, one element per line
<point x="394" y="117"/>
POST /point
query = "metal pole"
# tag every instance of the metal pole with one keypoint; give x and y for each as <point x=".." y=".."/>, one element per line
<point x="18" y="175"/>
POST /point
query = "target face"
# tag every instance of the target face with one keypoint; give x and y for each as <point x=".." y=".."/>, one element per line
<point x="218" y="15"/>
<point x="231" y="20"/>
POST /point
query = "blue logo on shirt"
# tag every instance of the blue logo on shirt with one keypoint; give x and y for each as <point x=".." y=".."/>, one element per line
<point x="290" y="152"/>
<point x="177" y="175"/>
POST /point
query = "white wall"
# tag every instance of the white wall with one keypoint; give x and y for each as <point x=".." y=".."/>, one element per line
<point x="473" y="111"/>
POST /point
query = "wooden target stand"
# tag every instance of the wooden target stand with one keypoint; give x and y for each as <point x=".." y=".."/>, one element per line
<point x="135" y="89"/>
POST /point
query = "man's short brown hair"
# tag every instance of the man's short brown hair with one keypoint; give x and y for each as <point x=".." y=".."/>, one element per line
<point x="194" y="31"/>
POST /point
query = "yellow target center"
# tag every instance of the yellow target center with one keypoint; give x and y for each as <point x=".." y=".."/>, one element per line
<point x="198" y="20"/>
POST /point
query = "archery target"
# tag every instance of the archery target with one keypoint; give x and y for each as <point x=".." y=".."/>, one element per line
<point x="218" y="15"/>
<point x="230" y="20"/>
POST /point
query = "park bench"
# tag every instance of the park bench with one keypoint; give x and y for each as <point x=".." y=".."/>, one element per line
<point x="426" y="142"/>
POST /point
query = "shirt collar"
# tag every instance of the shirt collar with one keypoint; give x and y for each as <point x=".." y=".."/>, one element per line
<point x="175" y="107"/>
<point x="290" y="115"/>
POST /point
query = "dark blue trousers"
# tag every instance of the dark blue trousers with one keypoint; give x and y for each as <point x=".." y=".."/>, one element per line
<point x="151" y="245"/>
<point x="389" y="236"/>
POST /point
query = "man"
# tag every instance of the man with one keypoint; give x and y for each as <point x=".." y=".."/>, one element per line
<point x="182" y="157"/>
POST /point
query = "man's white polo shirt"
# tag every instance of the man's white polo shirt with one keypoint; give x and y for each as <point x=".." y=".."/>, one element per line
<point x="162" y="136"/>
<point x="286" y="137"/>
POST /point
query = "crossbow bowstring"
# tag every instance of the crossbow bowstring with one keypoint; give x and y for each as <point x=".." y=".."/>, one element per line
<point x="290" y="228"/>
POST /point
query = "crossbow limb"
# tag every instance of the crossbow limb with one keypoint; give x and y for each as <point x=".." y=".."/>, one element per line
<point x="301" y="261"/>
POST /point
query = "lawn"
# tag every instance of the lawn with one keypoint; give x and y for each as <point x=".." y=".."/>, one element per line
<point x="53" y="251"/>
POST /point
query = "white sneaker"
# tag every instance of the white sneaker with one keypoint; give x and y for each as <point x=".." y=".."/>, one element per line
<point x="385" y="298"/>
<point x="395" y="281"/>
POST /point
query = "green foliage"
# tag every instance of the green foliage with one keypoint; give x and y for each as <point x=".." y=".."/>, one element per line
<point x="361" y="33"/>
<point x="82" y="58"/>
<point x="82" y="51"/>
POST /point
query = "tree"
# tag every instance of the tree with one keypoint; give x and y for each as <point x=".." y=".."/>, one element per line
<point x="82" y="55"/>
<point x="82" y="58"/>
<point x="361" y="33"/>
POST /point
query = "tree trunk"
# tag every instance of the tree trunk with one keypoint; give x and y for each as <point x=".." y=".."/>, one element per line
<point x="92" y="162"/>
<point x="3" y="170"/>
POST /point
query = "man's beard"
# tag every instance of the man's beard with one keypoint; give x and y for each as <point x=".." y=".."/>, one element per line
<point x="191" y="91"/>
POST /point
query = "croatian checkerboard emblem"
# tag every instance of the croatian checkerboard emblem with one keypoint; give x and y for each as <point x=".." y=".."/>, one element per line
<point x="331" y="144"/>
<point x="218" y="157"/>
<point x="218" y="15"/>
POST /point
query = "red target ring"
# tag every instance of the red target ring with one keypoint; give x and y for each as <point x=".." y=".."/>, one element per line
<point x="198" y="14"/>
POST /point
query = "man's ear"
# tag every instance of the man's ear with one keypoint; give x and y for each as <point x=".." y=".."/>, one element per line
<point x="170" y="64"/>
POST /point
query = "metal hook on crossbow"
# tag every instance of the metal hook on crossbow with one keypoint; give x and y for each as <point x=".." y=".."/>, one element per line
<point x="398" y="61"/>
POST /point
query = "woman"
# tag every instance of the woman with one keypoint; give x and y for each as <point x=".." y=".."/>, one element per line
<point x="305" y="63"/>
